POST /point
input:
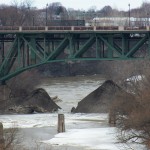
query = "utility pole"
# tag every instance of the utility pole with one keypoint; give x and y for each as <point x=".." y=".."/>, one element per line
<point x="129" y="14"/>
<point x="46" y="14"/>
<point x="33" y="21"/>
<point x="147" y="19"/>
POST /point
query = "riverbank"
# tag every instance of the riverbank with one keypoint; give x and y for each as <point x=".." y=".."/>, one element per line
<point x="36" y="138"/>
<point x="39" y="129"/>
<point x="83" y="132"/>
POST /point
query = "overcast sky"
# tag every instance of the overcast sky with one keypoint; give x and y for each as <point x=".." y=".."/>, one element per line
<point x="84" y="4"/>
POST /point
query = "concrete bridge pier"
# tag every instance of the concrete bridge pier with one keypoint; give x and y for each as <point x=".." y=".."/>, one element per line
<point x="2" y="141"/>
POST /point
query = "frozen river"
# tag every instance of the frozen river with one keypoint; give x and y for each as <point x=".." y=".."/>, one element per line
<point x="83" y="131"/>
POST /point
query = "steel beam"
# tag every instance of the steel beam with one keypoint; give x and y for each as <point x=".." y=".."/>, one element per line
<point x="58" y="50"/>
<point x="110" y="46"/>
<point x="85" y="47"/>
<point x="29" y="50"/>
<point x="135" y="48"/>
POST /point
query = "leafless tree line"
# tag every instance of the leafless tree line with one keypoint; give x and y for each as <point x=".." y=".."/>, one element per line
<point x="24" y="14"/>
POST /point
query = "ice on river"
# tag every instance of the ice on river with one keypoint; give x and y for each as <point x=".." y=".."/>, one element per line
<point x="83" y="131"/>
<point x="50" y="120"/>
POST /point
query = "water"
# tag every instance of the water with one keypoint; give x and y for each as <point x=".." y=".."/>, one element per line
<point x="83" y="131"/>
<point x="71" y="89"/>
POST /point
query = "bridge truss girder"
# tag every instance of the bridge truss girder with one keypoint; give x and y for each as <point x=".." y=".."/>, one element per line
<point x="22" y="51"/>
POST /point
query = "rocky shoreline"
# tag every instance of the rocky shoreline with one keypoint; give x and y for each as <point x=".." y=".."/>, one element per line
<point x="38" y="101"/>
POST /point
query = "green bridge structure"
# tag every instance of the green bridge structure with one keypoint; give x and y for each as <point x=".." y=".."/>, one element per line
<point x="23" y="48"/>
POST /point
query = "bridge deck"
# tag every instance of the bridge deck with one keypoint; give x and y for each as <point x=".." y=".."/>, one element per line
<point x="72" y="29"/>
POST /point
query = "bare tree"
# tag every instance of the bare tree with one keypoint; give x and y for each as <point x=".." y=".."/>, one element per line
<point x="16" y="14"/>
<point x="132" y="108"/>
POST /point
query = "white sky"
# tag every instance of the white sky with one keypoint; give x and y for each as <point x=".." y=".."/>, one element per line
<point x="84" y="4"/>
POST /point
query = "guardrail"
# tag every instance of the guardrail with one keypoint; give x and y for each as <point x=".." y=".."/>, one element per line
<point x="71" y="28"/>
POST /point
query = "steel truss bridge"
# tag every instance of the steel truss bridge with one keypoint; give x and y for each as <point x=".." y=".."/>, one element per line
<point x="22" y="48"/>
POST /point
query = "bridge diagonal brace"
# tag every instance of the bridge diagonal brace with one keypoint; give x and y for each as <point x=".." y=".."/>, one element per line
<point x="11" y="62"/>
<point x="12" y="74"/>
<point x="136" y="47"/>
<point x="35" y="51"/>
<point x="41" y="50"/>
<point x="8" y="59"/>
<point x="118" y="48"/>
<point x="109" y="45"/>
<point x="84" y="48"/>
<point x="16" y="54"/>
<point x="58" y="50"/>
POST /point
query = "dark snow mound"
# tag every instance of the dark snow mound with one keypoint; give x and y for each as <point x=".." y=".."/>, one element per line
<point x="99" y="100"/>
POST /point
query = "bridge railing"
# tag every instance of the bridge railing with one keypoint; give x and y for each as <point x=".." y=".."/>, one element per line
<point x="72" y="28"/>
<point x="107" y="27"/>
<point x="32" y="28"/>
<point x="59" y="27"/>
<point x="136" y="28"/>
<point x="9" y="28"/>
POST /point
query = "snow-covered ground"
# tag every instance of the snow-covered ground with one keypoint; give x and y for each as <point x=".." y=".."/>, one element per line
<point x="135" y="78"/>
<point x="83" y="131"/>
<point x="89" y="131"/>
<point x="89" y="138"/>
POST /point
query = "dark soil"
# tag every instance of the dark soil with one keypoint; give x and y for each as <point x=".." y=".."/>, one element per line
<point x="99" y="100"/>
<point x="37" y="101"/>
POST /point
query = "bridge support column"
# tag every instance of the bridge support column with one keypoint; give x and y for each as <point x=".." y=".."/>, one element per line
<point x="52" y="44"/>
<point x="125" y="45"/>
<point x="149" y="46"/>
<point x="23" y="55"/>
<point x="33" y="55"/>
<point x="98" y="48"/>
<point x="109" y="49"/>
<point x="71" y="47"/>
<point x="2" y="141"/>
<point x="2" y="47"/>
<point x="61" y="123"/>
<point x="28" y="56"/>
